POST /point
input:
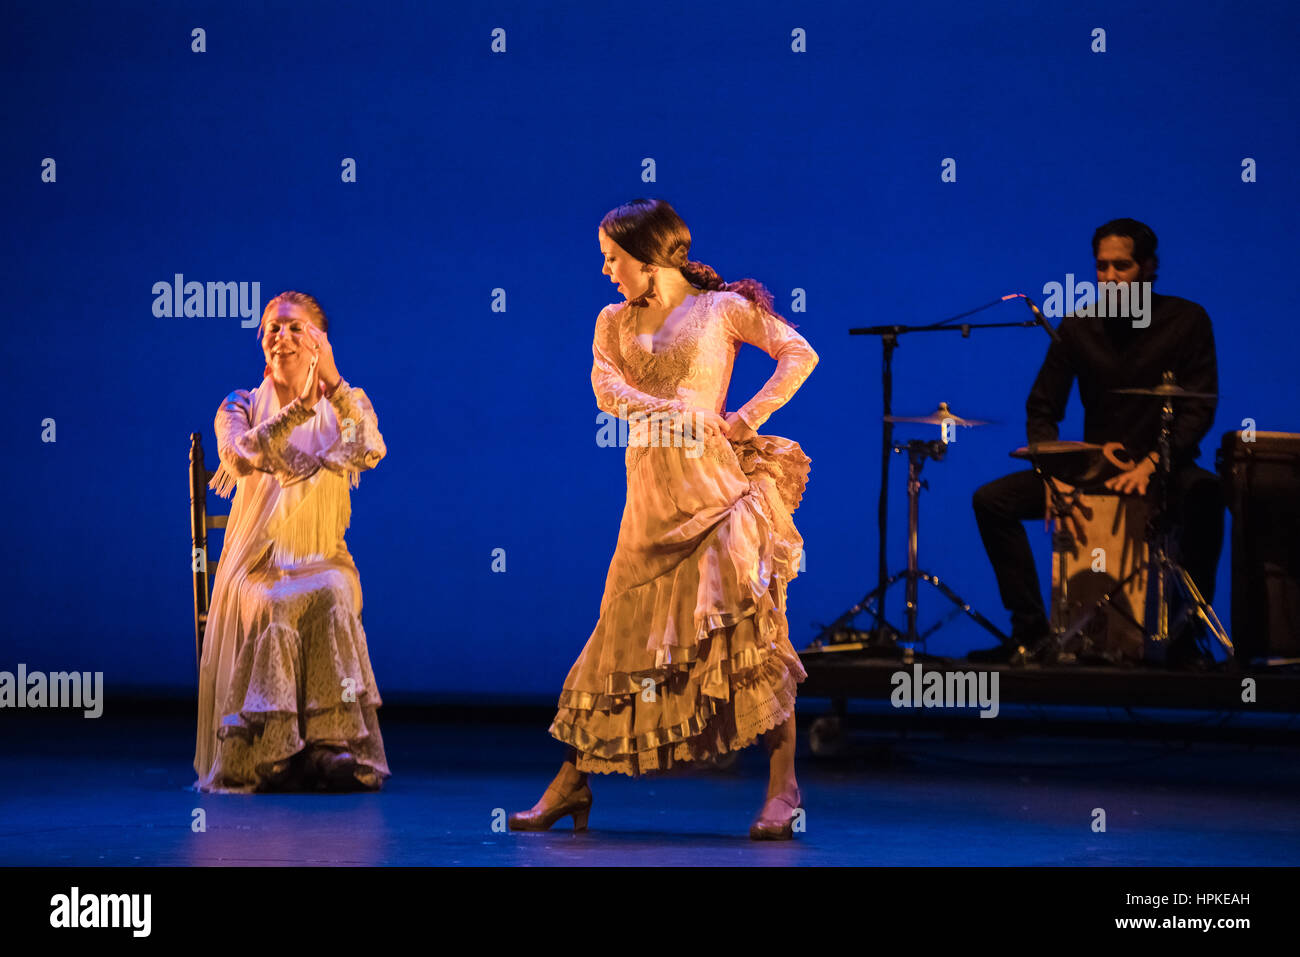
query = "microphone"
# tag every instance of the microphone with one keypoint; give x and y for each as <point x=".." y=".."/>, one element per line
<point x="1042" y="320"/>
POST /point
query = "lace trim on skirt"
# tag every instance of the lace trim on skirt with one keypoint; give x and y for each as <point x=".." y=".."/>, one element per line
<point x="760" y="696"/>
<point x="280" y="704"/>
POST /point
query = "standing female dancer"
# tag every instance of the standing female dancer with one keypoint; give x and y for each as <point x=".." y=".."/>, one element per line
<point x="691" y="656"/>
<point x="286" y="694"/>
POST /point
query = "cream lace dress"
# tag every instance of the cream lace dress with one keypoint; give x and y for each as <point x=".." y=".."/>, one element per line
<point x="691" y="655"/>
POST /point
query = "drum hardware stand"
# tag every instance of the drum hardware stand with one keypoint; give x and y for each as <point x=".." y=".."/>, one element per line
<point x="918" y="450"/>
<point x="1164" y="570"/>
<point x="1167" y="570"/>
<point x="885" y="635"/>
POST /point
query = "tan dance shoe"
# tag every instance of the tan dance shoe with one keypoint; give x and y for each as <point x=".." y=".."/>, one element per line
<point x="540" y="818"/>
<point x="779" y="824"/>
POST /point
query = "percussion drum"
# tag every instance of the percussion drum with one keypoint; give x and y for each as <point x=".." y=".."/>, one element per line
<point x="1083" y="572"/>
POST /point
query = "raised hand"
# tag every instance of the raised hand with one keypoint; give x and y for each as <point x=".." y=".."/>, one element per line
<point x="326" y="370"/>
<point x="311" y="388"/>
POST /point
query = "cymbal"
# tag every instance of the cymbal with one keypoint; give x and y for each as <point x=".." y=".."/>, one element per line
<point x="1054" y="447"/>
<point x="1169" y="391"/>
<point x="938" y="417"/>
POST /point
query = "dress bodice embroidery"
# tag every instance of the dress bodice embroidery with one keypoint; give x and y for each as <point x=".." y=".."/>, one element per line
<point x="661" y="373"/>
<point x="694" y="369"/>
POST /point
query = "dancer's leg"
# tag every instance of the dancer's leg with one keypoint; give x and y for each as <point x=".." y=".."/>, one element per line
<point x="569" y="778"/>
<point x="780" y="742"/>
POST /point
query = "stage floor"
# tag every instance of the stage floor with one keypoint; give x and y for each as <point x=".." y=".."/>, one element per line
<point x="114" y="792"/>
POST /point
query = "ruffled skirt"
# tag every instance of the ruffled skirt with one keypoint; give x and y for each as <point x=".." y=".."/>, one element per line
<point x="301" y="678"/>
<point x="691" y="656"/>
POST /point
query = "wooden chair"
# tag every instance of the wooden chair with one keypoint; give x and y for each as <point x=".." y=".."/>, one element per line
<point x="200" y="524"/>
<point x="204" y="567"/>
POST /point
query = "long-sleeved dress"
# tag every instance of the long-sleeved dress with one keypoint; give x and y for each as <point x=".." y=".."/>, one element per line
<point x="691" y="656"/>
<point x="285" y="663"/>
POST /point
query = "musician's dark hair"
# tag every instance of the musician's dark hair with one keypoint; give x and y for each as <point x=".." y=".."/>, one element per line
<point x="1143" y="236"/>
<point x="651" y="231"/>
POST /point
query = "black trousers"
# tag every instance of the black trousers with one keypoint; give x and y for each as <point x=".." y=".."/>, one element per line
<point x="1001" y="506"/>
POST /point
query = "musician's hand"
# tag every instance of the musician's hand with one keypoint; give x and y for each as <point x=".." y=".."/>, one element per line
<point x="738" y="429"/>
<point x="1134" y="481"/>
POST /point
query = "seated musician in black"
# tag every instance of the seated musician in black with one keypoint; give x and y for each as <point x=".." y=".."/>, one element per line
<point x="1106" y="354"/>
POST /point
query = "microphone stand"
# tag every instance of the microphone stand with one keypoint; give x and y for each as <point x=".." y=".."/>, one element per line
<point x="885" y="633"/>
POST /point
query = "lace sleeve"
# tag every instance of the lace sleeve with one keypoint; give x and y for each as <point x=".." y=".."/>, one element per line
<point x="244" y="449"/>
<point x="359" y="446"/>
<point x="613" y="394"/>
<point x="748" y="322"/>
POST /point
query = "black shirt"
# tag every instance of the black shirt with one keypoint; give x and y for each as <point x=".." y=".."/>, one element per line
<point x="1108" y="353"/>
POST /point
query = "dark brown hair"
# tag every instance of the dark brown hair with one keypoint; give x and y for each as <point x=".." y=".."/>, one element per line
<point x="652" y="232"/>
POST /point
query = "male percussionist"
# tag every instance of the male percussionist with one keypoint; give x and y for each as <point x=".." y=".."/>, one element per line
<point x="1106" y="353"/>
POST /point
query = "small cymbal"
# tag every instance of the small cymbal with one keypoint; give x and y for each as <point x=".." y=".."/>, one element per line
<point x="1054" y="447"/>
<point x="938" y="417"/>
<point x="1165" y="390"/>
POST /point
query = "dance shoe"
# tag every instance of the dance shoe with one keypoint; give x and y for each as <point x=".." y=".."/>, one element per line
<point x="273" y="776"/>
<point x="780" y="825"/>
<point x="335" y="768"/>
<point x="540" y="817"/>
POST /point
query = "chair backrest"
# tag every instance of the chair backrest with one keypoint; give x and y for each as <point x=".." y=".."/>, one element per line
<point x="201" y="523"/>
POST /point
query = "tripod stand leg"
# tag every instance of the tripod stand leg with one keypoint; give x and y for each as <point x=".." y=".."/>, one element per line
<point x="1204" y="611"/>
<point x="864" y="604"/>
<point x="963" y="605"/>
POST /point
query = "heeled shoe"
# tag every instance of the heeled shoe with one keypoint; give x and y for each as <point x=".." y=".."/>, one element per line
<point x="334" y="768"/>
<point x="776" y="828"/>
<point x="577" y="803"/>
<point x="367" y="778"/>
<point x="272" y="777"/>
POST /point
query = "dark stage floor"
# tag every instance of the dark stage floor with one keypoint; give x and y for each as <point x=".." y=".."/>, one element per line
<point x="113" y="792"/>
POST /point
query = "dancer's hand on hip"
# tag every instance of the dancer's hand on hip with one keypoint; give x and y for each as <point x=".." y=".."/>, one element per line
<point x="738" y="429"/>
<point x="705" y="424"/>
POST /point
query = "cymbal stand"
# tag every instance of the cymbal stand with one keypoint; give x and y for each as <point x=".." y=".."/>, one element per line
<point x="918" y="451"/>
<point x="889" y="340"/>
<point x="1166" y="572"/>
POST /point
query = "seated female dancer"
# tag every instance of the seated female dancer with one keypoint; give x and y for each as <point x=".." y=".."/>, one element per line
<point x="287" y="698"/>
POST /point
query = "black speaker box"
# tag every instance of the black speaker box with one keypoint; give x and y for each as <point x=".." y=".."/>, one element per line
<point x="1261" y="481"/>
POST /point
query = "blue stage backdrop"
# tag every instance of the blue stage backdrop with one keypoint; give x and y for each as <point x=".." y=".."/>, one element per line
<point x="804" y="145"/>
